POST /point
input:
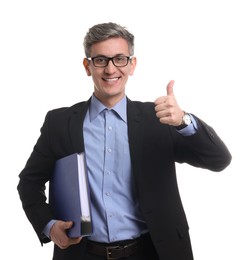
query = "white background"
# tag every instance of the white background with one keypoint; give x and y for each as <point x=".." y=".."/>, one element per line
<point x="199" y="44"/>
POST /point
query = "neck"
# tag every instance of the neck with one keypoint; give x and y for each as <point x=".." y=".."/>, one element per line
<point x="109" y="102"/>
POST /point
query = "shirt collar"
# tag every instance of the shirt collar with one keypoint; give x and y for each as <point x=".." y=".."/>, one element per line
<point x="96" y="107"/>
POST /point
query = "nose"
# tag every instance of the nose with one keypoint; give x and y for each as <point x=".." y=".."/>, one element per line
<point x="110" y="68"/>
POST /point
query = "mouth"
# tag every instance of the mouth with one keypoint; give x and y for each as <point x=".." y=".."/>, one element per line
<point x="111" y="79"/>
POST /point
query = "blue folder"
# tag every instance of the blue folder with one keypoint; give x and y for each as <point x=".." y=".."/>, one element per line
<point x="69" y="194"/>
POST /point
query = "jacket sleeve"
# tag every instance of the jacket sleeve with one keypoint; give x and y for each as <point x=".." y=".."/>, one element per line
<point x="32" y="181"/>
<point x="204" y="149"/>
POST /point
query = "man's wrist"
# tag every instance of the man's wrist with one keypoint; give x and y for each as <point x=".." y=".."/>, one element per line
<point x="47" y="228"/>
<point x="186" y="121"/>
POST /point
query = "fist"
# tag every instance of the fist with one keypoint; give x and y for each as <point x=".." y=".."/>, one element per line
<point x="59" y="237"/>
<point x="167" y="109"/>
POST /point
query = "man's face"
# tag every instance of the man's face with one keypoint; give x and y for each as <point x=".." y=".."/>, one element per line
<point x="110" y="81"/>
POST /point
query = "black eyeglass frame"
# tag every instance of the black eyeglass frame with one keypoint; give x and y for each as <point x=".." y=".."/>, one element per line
<point x="129" y="58"/>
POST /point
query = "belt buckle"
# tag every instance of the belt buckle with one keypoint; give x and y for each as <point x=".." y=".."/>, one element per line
<point x="108" y="252"/>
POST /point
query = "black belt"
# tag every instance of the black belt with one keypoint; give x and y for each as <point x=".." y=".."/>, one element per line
<point x="116" y="250"/>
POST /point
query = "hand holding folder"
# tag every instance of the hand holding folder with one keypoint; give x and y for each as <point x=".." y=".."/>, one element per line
<point x="69" y="194"/>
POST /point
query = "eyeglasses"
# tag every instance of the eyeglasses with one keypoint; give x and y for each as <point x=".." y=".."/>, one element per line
<point x="102" y="61"/>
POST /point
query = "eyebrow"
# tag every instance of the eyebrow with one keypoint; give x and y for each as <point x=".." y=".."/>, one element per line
<point x="102" y="55"/>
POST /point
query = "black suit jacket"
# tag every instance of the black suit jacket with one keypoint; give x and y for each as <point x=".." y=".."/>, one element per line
<point x="154" y="149"/>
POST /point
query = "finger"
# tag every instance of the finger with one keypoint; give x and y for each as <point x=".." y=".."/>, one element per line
<point x="74" y="241"/>
<point x="160" y="100"/>
<point x="67" y="224"/>
<point x="169" y="88"/>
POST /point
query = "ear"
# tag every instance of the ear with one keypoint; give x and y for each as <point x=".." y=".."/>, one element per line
<point x="86" y="66"/>
<point x="132" y="66"/>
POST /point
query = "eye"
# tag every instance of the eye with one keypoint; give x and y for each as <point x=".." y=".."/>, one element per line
<point x="120" y="60"/>
<point x="100" y="60"/>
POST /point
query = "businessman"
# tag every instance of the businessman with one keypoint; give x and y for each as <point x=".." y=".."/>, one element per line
<point x="131" y="151"/>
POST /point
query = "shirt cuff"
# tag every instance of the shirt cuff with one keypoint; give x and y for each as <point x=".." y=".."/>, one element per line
<point x="47" y="228"/>
<point x="190" y="129"/>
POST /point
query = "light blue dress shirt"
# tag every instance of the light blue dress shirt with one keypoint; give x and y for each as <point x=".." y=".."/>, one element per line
<point x="115" y="209"/>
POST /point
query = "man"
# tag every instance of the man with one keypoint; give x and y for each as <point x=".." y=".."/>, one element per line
<point x="131" y="150"/>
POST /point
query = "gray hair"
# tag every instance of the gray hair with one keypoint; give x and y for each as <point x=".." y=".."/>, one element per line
<point x="104" y="31"/>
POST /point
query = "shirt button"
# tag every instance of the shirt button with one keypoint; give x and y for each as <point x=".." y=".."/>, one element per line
<point x="109" y="128"/>
<point x="109" y="150"/>
<point x="107" y="194"/>
<point x="107" y="172"/>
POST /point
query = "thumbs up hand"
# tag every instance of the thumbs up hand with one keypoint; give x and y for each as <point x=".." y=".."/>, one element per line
<point x="167" y="109"/>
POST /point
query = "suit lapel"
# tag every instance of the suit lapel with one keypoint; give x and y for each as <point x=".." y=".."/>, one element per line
<point x="76" y="126"/>
<point x="135" y="134"/>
